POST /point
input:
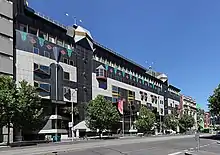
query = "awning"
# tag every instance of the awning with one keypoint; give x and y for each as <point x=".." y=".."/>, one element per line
<point x="81" y="126"/>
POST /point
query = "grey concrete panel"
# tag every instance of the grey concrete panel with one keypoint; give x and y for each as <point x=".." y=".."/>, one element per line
<point x="6" y="46"/>
<point x="6" y="64"/>
<point x="6" y="27"/>
<point x="6" y="8"/>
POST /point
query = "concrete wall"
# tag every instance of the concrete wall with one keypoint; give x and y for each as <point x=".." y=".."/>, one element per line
<point x="108" y="92"/>
<point x="6" y="37"/>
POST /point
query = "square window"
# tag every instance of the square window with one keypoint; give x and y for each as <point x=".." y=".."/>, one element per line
<point x="43" y="35"/>
<point x="35" y="50"/>
<point x="66" y="76"/>
<point x="23" y="27"/>
<point x="59" y="42"/>
<point x="71" y="63"/>
<point x="32" y="31"/>
<point x="51" y="39"/>
<point x="114" y="89"/>
<point x="47" y="54"/>
<point x="65" y="60"/>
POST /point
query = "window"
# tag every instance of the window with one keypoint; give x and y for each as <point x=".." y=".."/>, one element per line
<point x="66" y="45"/>
<point x="51" y="39"/>
<point x="142" y="97"/>
<point x="36" y="84"/>
<point x="161" y="111"/>
<point x="145" y="97"/>
<point x="114" y="100"/>
<point x="45" y="69"/>
<point x="65" y="60"/>
<point x="114" y="89"/>
<point x="35" y="50"/>
<point x="23" y="27"/>
<point x="43" y="35"/>
<point x="161" y="102"/>
<point x="45" y="86"/>
<point x="71" y="63"/>
<point x="59" y="42"/>
<point x="36" y="66"/>
<point x="47" y="54"/>
<point x="32" y="30"/>
<point x="66" y="76"/>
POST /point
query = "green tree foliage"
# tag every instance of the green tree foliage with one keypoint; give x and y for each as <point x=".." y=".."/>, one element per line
<point x="29" y="108"/>
<point x="20" y="106"/>
<point x="7" y="100"/>
<point x="186" y="122"/>
<point x="146" y="120"/>
<point x="214" y="101"/>
<point x="101" y="114"/>
<point x="170" y="121"/>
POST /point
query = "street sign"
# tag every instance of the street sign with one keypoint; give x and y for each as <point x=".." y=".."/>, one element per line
<point x="70" y="124"/>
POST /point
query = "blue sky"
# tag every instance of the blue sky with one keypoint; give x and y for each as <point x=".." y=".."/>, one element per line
<point x="181" y="37"/>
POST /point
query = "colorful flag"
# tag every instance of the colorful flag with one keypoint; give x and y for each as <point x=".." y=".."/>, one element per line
<point x="121" y="106"/>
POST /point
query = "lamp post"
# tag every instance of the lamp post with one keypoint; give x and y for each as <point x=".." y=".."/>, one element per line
<point x="72" y="114"/>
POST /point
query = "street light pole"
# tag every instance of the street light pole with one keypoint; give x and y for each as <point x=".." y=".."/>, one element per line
<point x="72" y="114"/>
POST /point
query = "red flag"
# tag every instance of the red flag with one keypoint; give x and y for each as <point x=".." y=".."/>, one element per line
<point x="120" y="106"/>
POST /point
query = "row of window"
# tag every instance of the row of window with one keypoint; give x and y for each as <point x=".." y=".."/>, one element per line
<point x="43" y="68"/>
<point x="41" y="85"/>
<point x="67" y="61"/>
<point x="46" y="36"/>
<point x="46" y="53"/>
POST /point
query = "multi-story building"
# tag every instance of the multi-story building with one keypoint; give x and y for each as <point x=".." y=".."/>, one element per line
<point x="6" y="46"/>
<point x="188" y="106"/>
<point x="67" y="66"/>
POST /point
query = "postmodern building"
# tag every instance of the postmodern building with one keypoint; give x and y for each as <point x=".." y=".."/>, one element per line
<point x="67" y="66"/>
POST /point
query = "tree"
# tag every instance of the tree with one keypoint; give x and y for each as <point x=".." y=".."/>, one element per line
<point x="214" y="101"/>
<point x="146" y="120"/>
<point x="20" y="106"/>
<point x="170" y="121"/>
<point x="101" y="114"/>
<point x="29" y="108"/>
<point x="7" y="101"/>
<point x="186" y="122"/>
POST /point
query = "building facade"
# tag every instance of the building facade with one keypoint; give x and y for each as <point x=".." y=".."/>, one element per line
<point x="68" y="67"/>
<point x="6" y="47"/>
<point x="188" y="106"/>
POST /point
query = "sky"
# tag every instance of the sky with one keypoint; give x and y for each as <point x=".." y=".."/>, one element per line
<point x="180" y="37"/>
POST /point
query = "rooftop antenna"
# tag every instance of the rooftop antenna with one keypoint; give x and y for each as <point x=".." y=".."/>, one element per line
<point x="74" y="18"/>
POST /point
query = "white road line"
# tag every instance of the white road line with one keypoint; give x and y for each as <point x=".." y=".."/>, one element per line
<point x="175" y="153"/>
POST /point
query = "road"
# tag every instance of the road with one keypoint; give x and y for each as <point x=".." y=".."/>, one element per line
<point x="175" y="145"/>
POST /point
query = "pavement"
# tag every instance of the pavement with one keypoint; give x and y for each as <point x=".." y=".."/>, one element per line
<point x="172" y="145"/>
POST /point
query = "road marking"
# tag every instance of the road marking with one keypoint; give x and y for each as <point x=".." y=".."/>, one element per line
<point x="175" y="153"/>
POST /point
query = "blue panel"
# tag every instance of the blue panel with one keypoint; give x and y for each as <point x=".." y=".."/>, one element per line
<point x="45" y="86"/>
<point x="35" y="50"/>
<point x="45" y="68"/>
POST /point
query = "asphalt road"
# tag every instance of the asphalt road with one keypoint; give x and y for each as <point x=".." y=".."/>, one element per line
<point x="168" y="147"/>
<point x="173" y="145"/>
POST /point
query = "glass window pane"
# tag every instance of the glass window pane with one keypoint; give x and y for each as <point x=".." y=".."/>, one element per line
<point x="52" y="39"/>
<point x="114" y="89"/>
<point x="23" y="27"/>
<point x="36" y="66"/>
<point x="43" y="35"/>
<point x="59" y="42"/>
<point x="65" y="60"/>
<point x="47" y="54"/>
<point x="66" y="76"/>
<point x="45" y="86"/>
<point x="35" y="50"/>
<point x="45" y="68"/>
<point x="32" y="31"/>
<point x="35" y="84"/>
<point x="71" y="63"/>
